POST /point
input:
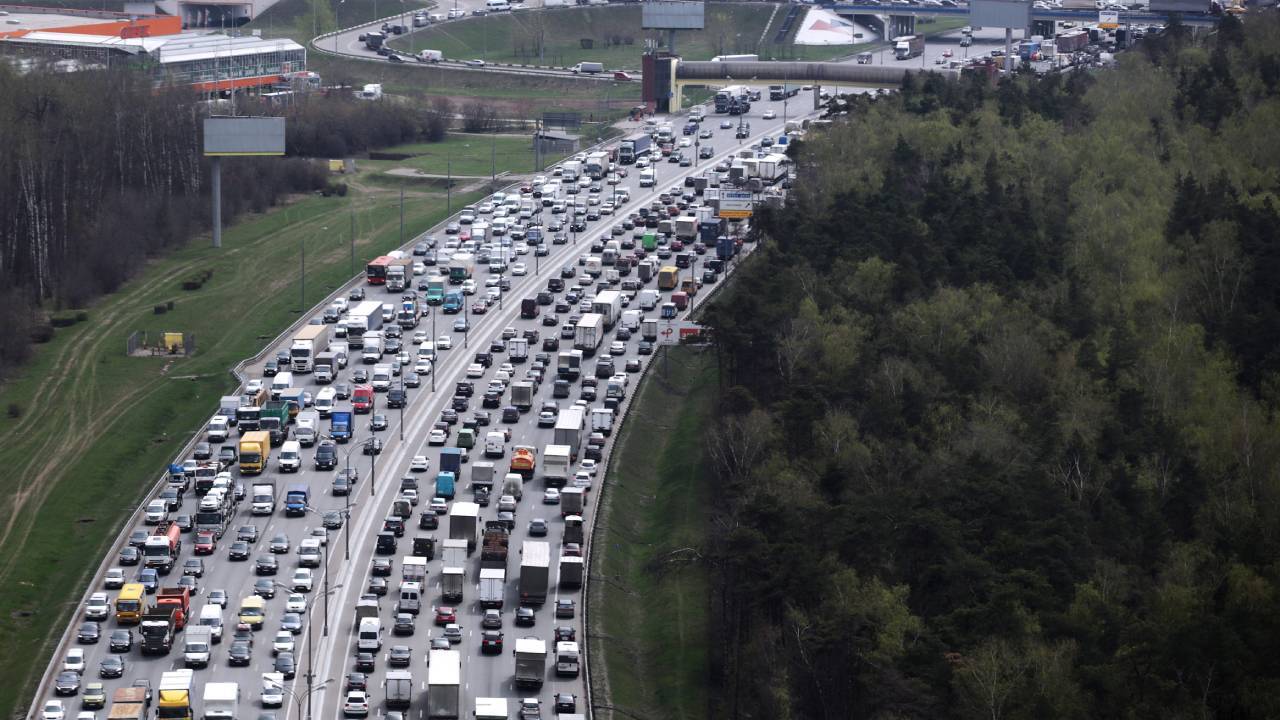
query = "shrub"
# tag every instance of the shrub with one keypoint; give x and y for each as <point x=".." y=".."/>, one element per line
<point x="15" y="410"/>
<point x="160" y="309"/>
<point x="41" y="334"/>
<point x="81" y="315"/>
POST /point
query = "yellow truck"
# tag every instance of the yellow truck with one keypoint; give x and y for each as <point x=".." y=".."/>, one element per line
<point x="668" y="278"/>
<point x="255" y="452"/>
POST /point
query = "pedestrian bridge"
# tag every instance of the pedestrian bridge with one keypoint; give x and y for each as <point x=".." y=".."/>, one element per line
<point x="719" y="74"/>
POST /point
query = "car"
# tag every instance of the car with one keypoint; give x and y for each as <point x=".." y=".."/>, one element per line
<point x="94" y="695"/>
<point x="645" y="347"/>
<point x="372" y="446"/>
<point x="491" y="642"/>
<point x="565" y="703"/>
<point x="519" y="269"/>
<point x="283" y="642"/>
<point x="399" y="656"/>
<point x="291" y="622"/>
<point x="114" y="579"/>
<point x="89" y="633"/>
<point x="150" y="579"/>
<point x="53" y="710"/>
<point x="193" y="567"/>
<point x="476" y="62"/>
<point x="121" y="640"/>
<point x="378" y="422"/>
<point x="572" y="550"/>
<point x="453" y="633"/>
<point x="240" y="653"/>
<point x="366" y="662"/>
<point x="445" y="614"/>
<point x="112" y="666"/>
<point x="551" y="497"/>
<point x="564" y="608"/>
<point x="67" y="683"/>
<point x="404" y="624"/>
<point x="302" y="580"/>
<point x="266" y="565"/>
<point x="377" y="586"/>
<point x="286" y="665"/>
<point x="265" y="589"/>
<point x="279" y="544"/>
<point x="217" y="597"/>
<point x="355" y="681"/>
<point x="460" y="325"/>
<point x="617" y="348"/>
<point x="525" y="616"/>
<point x="342" y="391"/>
<point x="333" y="520"/>
<point x="130" y="555"/>
<point x="769" y="115"/>
<point x="355" y="704"/>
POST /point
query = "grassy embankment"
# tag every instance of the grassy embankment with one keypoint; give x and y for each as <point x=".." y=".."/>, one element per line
<point x="96" y="427"/>
<point x="463" y="154"/>
<point x="649" y="606"/>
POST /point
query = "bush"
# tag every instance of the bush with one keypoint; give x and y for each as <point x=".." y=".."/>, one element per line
<point x="160" y="309"/>
<point x="15" y="410"/>
<point x="191" y="284"/>
<point x="169" y="305"/>
<point x="41" y="334"/>
<point x="81" y="315"/>
<point x="61" y="321"/>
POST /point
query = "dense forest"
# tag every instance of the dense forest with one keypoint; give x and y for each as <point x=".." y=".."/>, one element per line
<point x="101" y="171"/>
<point x="999" y="436"/>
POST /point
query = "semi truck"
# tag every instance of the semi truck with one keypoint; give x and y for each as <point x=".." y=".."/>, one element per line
<point x="221" y="701"/>
<point x="399" y="689"/>
<point x="568" y="431"/>
<point x="444" y="678"/>
<point x="908" y="46"/>
<point x="531" y="662"/>
<point x="781" y="92"/>
<point x="493" y="583"/>
<point x="464" y="520"/>
<point x="496" y="539"/>
<point x="535" y="566"/>
<point x="255" y="452"/>
<point x="556" y="463"/>
<point x="633" y="146"/>
<point x="175" y="694"/>
<point x="310" y="341"/>
<point x="608" y="305"/>
<point x="157" y="629"/>
<point x="589" y="333"/>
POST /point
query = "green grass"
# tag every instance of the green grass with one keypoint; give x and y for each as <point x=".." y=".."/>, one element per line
<point x="97" y="427"/>
<point x="556" y="37"/>
<point x="469" y="155"/>
<point x="649" y="628"/>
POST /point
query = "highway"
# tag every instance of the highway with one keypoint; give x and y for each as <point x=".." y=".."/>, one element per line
<point x="326" y="643"/>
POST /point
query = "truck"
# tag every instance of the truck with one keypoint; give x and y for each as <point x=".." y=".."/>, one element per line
<point x="399" y="689"/>
<point x="567" y="657"/>
<point x="444" y="680"/>
<point x="496" y="539"/>
<point x="589" y="333"/>
<point x="371" y="347"/>
<point x="686" y="228"/>
<point x="571" y="169"/>
<point x="489" y="708"/>
<point x="649" y="330"/>
<point x="452" y="303"/>
<point x="364" y="317"/>
<point x="435" y="289"/>
<point x="307" y="343"/>
<point x="255" y="452"/>
<point x="782" y="92"/>
<point x="602" y="421"/>
<point x="247" y="417"/>
<point x="524" y="460"/>
<point x="452" y="582"/>
<point x="768" y="169"/>
<point x="451" y="460"/>
<point x="522" y="395"/>
<point x="178" y="598"/>
<point x="461" y="267"/>
<point x="615" y="388"/>
<point x="513" y="485"/>
<point x="668" y="277"/>
<point x="1072" y="41"/>
<point x="531" y="662"/>
<point x="227" y="406"/>
<point x="307" y="428"/>
<point x="493" y="583"/>
<point x="325" y="368"/>
<point x="464" y="519"/>
<point x="482" y="477"/>
<point x="297" y="498"/>
<point x="908" y="46"/>
<point x="221" y="700"/>
<point x="409" y="315"/>
<point x="633" y="146"/>
<point x="556" y="463"/>
<point x="175" y="698"/>
<point x="1180" y="6"/>
<point x="162" y="547"/>
<point x="535" y="565"/>
<point x="571" y="501"/>
<point x="596" y="165"/>
<point x="215" y="512"/>
<point x="274" y="420"/>
<point x="446" y="485"/>
<point x="571" y="568"/>
<point x="263" y="498"/>
<point x="197" y="644"/>
<point x="569" y="364"/>
<point x="608" y="305"/>
<point x="157" y="629"/>
<point x="589" y="68"/>
<point x="340" y="425"/>
<point x="568" y="430"/>
<point x="399" y="270"/>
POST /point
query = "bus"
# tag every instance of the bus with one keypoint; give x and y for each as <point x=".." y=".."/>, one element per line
<point x="129" y="604"/>
<point x="376" y="272"/>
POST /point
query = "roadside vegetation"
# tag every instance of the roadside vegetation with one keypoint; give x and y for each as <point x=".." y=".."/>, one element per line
<point x="1000" y="434"/>
<point x="649" y="588"/>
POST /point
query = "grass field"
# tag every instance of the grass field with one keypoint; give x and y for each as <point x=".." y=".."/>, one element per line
<point x="561" y="36"/>
<point x="649" y="627"/>
<point x="469" y="155"/>
<point x="97" y="427"/>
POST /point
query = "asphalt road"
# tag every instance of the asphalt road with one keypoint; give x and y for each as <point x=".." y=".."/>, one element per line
<point x="333" y="653"/>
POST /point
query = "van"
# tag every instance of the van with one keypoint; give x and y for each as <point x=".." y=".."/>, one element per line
<point x="495" y="445"/>
<point x="513" y="485"/>
<point x="436" y="17"/>
<point x="197" y="646"/>
<point x="649" y="299"/>
<point x="290" y="456"/>
<point x="431" y="56"/>
<point x="497" y="5"/>
<point x="211" y="617"/>
<point x="325" y="400"/>
<point x="219" y="428"/>
<point x="370" y="637"/>
<point x="381" y="377"/>
<point x="253" y="612"/>
<point x="281" y="382"/>
<point x="646" y="177"/>
<point x="588" y="67"/>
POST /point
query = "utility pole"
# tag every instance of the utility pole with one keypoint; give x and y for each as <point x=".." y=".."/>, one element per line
<point x="353" y="240"/>
<point x="402" y="214"/>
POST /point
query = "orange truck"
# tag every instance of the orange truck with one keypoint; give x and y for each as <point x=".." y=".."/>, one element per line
<point x="523" y="461"/>
<point x="178" y="598"/>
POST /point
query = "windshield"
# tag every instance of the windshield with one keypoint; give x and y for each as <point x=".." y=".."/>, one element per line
<point x="128" y="605"/>
<point x="250" y="458"/>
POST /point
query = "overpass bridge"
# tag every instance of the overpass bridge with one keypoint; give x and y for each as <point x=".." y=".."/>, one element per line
<point x="900" y="19"/>
<point x="676" y="74"/>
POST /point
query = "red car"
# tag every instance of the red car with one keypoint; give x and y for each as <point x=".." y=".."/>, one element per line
<point x="446" y="615"/>
<point x="619" y="75"/>
<point x="480" y="307"/>
<point x="205" y="543"/>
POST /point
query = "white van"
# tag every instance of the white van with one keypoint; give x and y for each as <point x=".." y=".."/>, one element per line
<point x="648" y="300"/>
<point x="381" y="377"/>
<point x="431" y="56"/>
<point x="495" y="445"/>
<point x="211" y="616"/>
<point x="646" y="177"/>
<point x="325" y="400"/>
<point x="290" y="456"/>
<point x="370" y="637"/>
<point x="281" y="382"/>
<point x="410" y="598"/>
<point x="219" y="428"/>
<point x="497" y="6"/>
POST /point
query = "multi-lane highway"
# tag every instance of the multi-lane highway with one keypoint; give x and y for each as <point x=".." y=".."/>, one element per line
<point x="325" y="643"/>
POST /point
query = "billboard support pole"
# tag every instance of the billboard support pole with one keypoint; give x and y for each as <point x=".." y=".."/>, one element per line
<point x="215" y="195"/>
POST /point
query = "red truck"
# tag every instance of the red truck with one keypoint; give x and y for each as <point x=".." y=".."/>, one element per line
<point x="178" y="598"/>
<point x="362" y="399"/>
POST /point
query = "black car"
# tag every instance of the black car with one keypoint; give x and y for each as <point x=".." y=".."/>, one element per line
<point x="386" y="544"/>
<point x="397" y="398"/>
<point x="459" y="403"/>
<point x="89" y="633"/>
<point x="511" y="414"/>
<point x="271" y="368"/>
<point x="203" y="451"/>
<point x="137" y="539"/>
<point x="121" y="640"/>
<point x="326" y="455"/>
<point x="428" y="520"/>
<point x="241" y="653"/>
<point x="551" y="344"/>
<point x="565" y="703"/>
<point x="356" y="681"/>
<point x="357" y="293"/>
<point x="341" y="485"/>
<point x="285" y="664"/>
<point x="492" y="399"/>
<point x="265" y="589"/>
<point x="266" y="565"/>
<point x="496" y="346"/>
<point x="239" y="550"/>
<point x="247" y="533"/>
<point x="525" y="616"/>
<point x="399" y="655"/>
<point x="645" y="348"/>
<point x="365" y="662"/>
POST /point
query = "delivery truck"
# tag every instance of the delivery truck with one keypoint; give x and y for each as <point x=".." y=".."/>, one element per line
<point x="444" y="680"/>
<point x="568" y="430"/>
<point x="531" y="662"/>
<point x="535" y="566"/>
<point x="221" y="701"/>
<point x="493" y="584"/>
<point x="463" y="523"/>
<point x="571" y="568"/>
<point x="908" y="46"/>
<point x="589" y="333"/>
<point x="556" y="465"/>
<point x="399" y="689"/>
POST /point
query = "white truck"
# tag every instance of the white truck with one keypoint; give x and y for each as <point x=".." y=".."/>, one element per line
<point x="227" y="406"/>
<point x="493" y="583"/>
<point x="556" y="464"/>
<point x="517" y="350"/>
<point x="589" y="333"/>
<point x="608" y="304"/>
<point x="453" y="568"/>
<point x="535" y="566"/>
<point x="307" y="427"/>
<point x="571" y="169"/>
<point x="908" y="46"/>
<point x="531" y="662"/>
<point x="589" y="68"/>
<point x="310" y="341"/>
<point x="263" y="498"/>
<point x="489" y="708"/>
<point x="522" y="394"/>
<point x="596" y="165"/>
<point x="431" y="56"/>
<point x="464" y="523"/>
<point x="602" y="420"/>
<point x="571" y="571"/>
<point x="197" y="646"/>
<point x="221" y="700"/>
<point x="631" y="320"/>
<point x="399" y="689"/>
<point x="444" y="679"/>
<point x="371" y="347"/>
<point x="568" y="430"/>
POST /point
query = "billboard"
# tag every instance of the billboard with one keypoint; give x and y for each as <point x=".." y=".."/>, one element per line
<point x="672" y="15"/>
<point x="674" y="332"/>
<point x="231" y="136"/>
<point x="1109" y="19"/>
<point x="735" y="204"/>
<point x="1000" y="13"/>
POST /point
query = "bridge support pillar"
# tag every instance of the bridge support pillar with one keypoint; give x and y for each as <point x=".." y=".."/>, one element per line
<point x="900" y="25"/>
<point x="817" y="93"/>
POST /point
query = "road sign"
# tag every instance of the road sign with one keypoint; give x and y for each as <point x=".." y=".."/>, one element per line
<point x="1109" y="19"/>
<point x="735" y="204"/>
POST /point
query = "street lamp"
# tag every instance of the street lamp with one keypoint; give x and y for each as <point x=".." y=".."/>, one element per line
<point x="311" y="688"/>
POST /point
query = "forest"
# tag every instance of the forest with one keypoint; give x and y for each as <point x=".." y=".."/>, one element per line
<point x="999" y="431"/>
<point x="100" y="171"/>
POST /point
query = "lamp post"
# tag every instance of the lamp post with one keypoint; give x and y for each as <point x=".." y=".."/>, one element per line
<point x="310" y="689"/>
<point x="434" y="349"/>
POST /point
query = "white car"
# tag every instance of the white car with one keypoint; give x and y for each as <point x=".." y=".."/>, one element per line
<point x="551" y="497"/>
<point x="114" y="579"/>
<point x="254" y="386"/>
<point x="302" y="581"/>
<point x="769" y="115"/>
<point x="444" y="342"/>
<point x="590" y="467"/>
<point x="420" y="463"/>
<point x="74" y="661"/>
<point x="582" y="480"/>
<point x="508" y="332"/>
<point x="475" y="370"/>
<point x="421" y="337"/>
<point x="419" y="268"/>
<point x="469" y="287"/>
<point x="283" y="642"/>
<point x="356" y="704"/>
<point x="157" y="511"/>
<point x="297" y="602"/>
<point x="686" y="142"/>
<point x="492" y="281"/>
<point x="53" y="710"/>
<point x="438" y="505"/>
<point x="617" y="348"/>
<point x="422" y="367"/>
<point x="642" y="161"/>
<point x="98" y="607"/>
<point x="437" y="437"/>
<point x="519" y="269"/>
